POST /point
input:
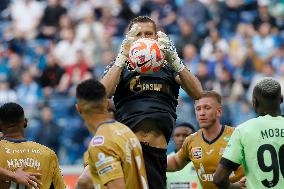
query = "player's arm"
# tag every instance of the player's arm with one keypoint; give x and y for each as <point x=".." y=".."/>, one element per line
<point x="174" y="163"/>
<point x="111" y="78"/>
<point x="116" y="184"/>
<point x="185" y="78"/>
<point x="230" y="161"/>
<point x="21" y="177"/>
<point x="84" y="181"/>
<point x="177" y="161"/>
<point x="110" y="173"/>
<point x="189" y="83"/>
<point x="222" y="174"/>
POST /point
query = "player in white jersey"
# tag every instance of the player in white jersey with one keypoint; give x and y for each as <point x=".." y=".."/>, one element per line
<point x="258" y="144"/>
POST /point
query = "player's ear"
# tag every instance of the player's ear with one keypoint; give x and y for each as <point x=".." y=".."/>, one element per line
<point x="219" y="110"/>
<point x="254" y="102"/>
<point x="25" y="122"/>
<point x="78" y="109"/>
<point x="108" y="105"/>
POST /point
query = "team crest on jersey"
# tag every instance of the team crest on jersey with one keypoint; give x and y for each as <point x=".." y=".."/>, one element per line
<point x="196" y="152"/>
<point x="97" y="141"/>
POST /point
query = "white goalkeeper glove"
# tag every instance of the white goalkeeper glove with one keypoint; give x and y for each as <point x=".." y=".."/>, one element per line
<point x="122" y="56"/>
<point x="168" y="48"/>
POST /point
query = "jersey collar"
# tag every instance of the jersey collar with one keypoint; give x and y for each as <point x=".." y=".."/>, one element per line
<point x="14" y="140"/>
<point x="216" y="138"/>
<point x="105" y="122"/>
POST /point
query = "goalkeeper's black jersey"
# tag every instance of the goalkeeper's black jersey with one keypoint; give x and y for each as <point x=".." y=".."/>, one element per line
<point x="140" y="96"/>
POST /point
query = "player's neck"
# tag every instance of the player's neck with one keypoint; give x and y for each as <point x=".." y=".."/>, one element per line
<point x="212" y="132"/>
<point x="272" y="113"/>
<point x="94" y="121"/>
<point x="14" y="135"/>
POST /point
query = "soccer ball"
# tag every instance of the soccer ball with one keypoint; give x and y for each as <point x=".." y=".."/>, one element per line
<point x="145" y="56"/>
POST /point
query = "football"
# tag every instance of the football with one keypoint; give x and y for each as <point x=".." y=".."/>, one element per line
<point x="145" y="56"/>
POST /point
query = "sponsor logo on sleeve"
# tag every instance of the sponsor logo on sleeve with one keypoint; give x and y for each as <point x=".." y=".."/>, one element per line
<point x="105" y="170"/>
<point x="97" y="141"/>
<point x="196" y="152"/>
<point x="103" y="159"/>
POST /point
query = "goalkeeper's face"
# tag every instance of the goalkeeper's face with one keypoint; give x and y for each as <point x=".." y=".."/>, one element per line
<point x="146" y="30"/>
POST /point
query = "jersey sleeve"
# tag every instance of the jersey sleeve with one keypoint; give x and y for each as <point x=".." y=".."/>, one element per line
<point x="184" y="152"/>
<point x="86" y="159"/>
<point x="233" y="154"/>
<point x="107" y="162"/>
<point x="57" y="179"/>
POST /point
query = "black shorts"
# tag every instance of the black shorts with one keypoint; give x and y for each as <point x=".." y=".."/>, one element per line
<point x="156" y="166"/>
<point x="164" y="121"/>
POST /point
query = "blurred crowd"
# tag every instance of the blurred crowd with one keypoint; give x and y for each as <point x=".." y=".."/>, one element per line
<point x="48" y="46"/>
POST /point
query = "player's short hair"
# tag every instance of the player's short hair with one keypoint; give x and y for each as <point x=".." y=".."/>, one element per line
<point x="91" y="93"/>
<point x="185" y="124"/>
<point x="212" y="94"/>
<point x="267" y="91"/>
<point x="267" y="88"/>
<point x="142" y="19"/>
<point x="11" y="113"/>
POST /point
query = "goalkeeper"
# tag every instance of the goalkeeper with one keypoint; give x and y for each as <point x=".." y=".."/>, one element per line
<point x="149" y="111"/>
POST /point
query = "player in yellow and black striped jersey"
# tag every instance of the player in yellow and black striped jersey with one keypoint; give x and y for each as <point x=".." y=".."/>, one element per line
<point x="16" y="151"/>
<point x="205" y="147"/>
<point x="114" y="154"/>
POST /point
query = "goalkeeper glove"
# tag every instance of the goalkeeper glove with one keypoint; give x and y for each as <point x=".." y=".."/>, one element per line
<point x="168" y="48"/>
<point x="122" y="56"/>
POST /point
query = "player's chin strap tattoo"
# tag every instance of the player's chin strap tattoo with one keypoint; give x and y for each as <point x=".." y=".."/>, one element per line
<point x="168" y="48"/>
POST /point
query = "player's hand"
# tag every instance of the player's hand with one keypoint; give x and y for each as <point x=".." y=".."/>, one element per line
<point x="122" y="56"/>
<point x="168" y="48"/>
<point x="241" y="183"/>
<point x="85" y="181"/>
<point x="28" y="179"/>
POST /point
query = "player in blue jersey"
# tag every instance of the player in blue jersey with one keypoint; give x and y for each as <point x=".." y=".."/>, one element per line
<point x="257" y="144"/>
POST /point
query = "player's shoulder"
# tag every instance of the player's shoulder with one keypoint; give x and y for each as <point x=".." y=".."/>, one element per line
<point x="249" y="124"/>
<point x="194" y="136"/>
<point x="97" y="140"/>
<point x="44" y="149"/>
<point x="114" y="129"/>
<point x="228" y="129"/>
<point x="28" y="144"/>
